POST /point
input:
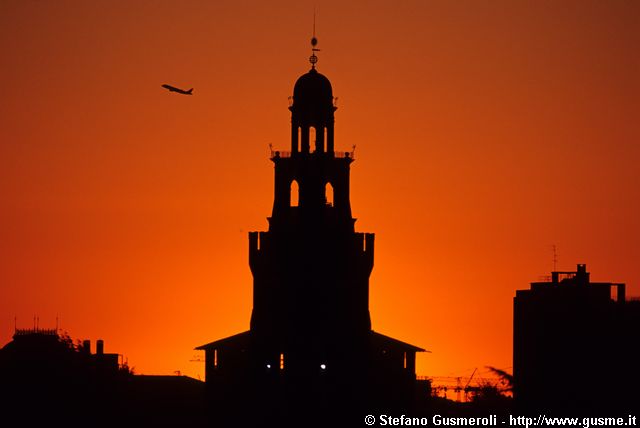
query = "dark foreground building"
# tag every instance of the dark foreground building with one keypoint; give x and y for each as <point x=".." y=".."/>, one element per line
<point x="576" y="346"/>
<point x="47" y="380"/>
<point x="310" y="348"/>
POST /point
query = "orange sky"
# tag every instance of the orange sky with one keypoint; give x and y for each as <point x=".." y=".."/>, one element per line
<point x="486" y="131"/>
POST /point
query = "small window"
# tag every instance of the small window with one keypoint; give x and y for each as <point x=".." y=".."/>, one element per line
<point x="295" y="194"/>
<point x="312" y="139"/>
<point x="281" y="361"/>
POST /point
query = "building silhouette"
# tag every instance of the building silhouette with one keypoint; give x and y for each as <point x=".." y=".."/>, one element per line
<point x="310" y="344"/>
<point x="576" y="345"/>
<point x="47" y="380"/>
<point x="41" y="354"/>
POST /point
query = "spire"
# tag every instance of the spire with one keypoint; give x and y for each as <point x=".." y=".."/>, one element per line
<point x="313" y="59"/>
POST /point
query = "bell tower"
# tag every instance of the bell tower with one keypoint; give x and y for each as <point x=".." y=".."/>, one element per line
<point x="310" y="341"/>
<point x="311" y="269"/>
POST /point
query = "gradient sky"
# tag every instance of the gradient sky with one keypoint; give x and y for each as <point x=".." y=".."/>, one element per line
<point x="486" y="132"/>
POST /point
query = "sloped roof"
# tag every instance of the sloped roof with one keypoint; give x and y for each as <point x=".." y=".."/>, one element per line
<point x="242" y="339"/>
<point x="382" y="340"/>
<point x="239" y="339"/>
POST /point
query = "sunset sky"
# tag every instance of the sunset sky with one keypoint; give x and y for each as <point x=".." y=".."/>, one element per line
<point x="486" y="132"/>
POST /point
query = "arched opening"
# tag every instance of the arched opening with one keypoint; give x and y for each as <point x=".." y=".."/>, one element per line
<point x="294" y="194"/>
<point x="328" y="194"/>
<point x="299" y="140"/>
<point x="325" y="139"/>
<point x="312" y="139"/>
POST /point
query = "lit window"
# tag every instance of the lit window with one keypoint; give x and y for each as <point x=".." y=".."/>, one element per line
<point x="268" y="366"/>
<point x="281" y="361"/>
<point x="323" y="366"/>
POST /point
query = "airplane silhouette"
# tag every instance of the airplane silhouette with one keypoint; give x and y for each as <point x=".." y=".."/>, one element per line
<point x="178" y="90"/>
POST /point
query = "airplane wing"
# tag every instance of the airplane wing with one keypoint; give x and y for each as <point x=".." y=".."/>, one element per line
<point x="178" y="90"/>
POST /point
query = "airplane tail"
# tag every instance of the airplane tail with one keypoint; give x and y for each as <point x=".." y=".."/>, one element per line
<point x="190" y="91"/>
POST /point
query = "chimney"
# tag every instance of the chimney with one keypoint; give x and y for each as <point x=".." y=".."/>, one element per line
<point x="582" y="276"/>
<point x="86" y="347"/>
<point x="99" y="347"/>
<point x="621" y="293"/>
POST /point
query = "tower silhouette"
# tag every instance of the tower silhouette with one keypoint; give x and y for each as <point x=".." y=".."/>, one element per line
<point x="310" y="341"/>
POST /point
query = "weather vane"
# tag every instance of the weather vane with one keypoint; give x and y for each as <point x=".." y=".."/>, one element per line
<point x="313" y="59"/>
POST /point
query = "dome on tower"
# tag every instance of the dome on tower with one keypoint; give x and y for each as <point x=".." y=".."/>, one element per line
<point x="313" y="89"/>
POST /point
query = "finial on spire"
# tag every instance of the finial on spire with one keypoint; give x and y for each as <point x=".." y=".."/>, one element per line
<point x="313" y="59"/>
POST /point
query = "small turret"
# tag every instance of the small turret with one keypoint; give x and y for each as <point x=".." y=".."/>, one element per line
<point x="312" y="112"/>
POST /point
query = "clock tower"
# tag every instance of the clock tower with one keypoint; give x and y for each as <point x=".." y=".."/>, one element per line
<point x="310" y="339"/>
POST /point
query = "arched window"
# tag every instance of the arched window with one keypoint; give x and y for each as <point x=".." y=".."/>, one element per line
<point x="328" y="194"/>
<point x="312" y="139"/>
<point x="325" y="139"/>
<point x="295" y="194"/>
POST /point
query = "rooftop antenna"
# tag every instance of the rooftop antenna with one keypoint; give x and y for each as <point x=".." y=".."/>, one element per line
<point x="555" y="258"/>
<point x="313" y="59"/>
